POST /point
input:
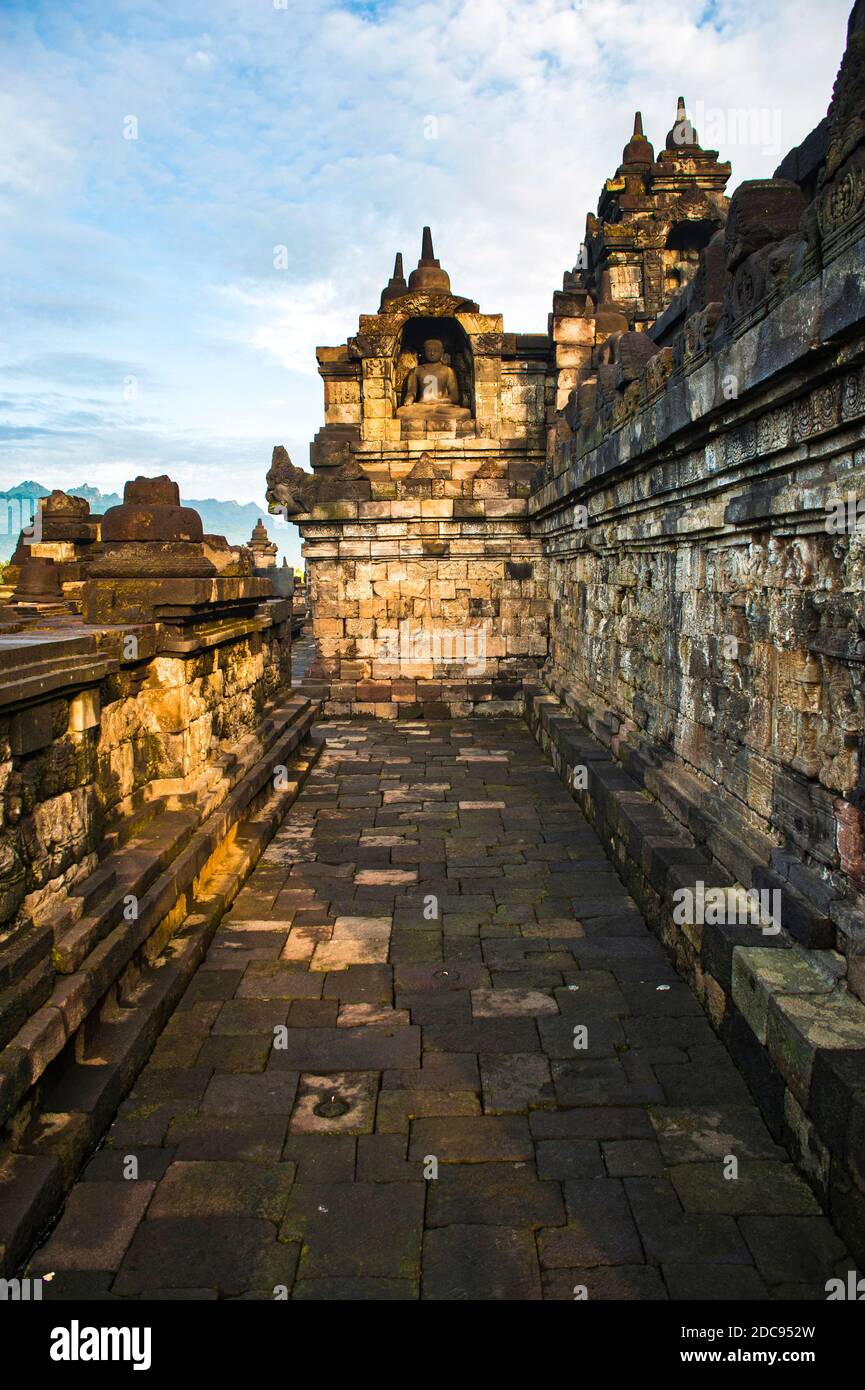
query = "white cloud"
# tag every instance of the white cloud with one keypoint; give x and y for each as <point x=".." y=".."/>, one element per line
<point x="288" y="324"/>
<point x="306" y="127"/>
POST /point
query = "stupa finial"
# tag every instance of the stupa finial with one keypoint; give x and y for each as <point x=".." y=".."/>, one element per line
<point x="429" y="274"/>
<point x="396" y="285"/>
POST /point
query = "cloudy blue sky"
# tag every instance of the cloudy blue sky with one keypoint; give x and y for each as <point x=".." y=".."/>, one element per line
<point x="145" y="327"/>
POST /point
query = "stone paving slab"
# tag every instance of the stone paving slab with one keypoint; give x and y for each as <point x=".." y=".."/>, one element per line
<point x="434" y="1052"/>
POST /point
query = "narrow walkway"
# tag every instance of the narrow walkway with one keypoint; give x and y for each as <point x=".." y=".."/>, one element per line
<point x="302" y="655"/>
<point x="434" y="969"/>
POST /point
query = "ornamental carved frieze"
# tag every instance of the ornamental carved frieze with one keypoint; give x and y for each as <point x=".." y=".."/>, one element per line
<point x="692" y="338"/>
<point x="745" y="289"/>
<point x="699" y="330"/>
<point x="803" y="417"/>
<point x="839" y="205"/>
<point x="853" y="395"/>
<point x="740" y="444"/>
<point x="774" y="430"/>
<point x="487" y="344"/>
<point x="742" y="567"/>
<point x="827" y="405"/>
<point x="658" y="370"/>
<point x="801" y="565"/>
<point x="854" y="565"/>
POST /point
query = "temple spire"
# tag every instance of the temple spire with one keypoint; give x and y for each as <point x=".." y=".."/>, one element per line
<point x="683" y="135"/>
<point x="429" y="275"/>
<point x="638" y="149"/>
<point x="396" y="285"/>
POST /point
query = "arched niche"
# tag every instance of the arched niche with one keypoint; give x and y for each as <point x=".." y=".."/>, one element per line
<point x="681" y="256"/>
<point x="691" y="235"/>
<point x="458" y="353"/>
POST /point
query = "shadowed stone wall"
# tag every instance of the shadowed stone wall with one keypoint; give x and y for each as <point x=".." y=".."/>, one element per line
<point x="705" y="594"/>
<point x="702" y="512"/>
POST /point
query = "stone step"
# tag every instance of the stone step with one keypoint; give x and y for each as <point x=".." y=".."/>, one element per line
<point x="88" y="1088"/>
<point x="151" y="871"/>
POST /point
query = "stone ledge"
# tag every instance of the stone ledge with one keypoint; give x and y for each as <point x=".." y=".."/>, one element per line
<point x="823" y="307"/>
<point x="794" y="1030"/>
<point x="34" y="666"/>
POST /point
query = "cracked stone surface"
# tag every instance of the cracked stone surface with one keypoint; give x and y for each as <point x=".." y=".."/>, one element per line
<point x="371" y="1089"/>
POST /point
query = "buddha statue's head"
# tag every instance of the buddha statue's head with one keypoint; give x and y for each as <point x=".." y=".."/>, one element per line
<point x="433" y="350"/>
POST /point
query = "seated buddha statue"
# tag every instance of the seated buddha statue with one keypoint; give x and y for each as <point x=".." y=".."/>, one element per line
<point x="431" y="388"/>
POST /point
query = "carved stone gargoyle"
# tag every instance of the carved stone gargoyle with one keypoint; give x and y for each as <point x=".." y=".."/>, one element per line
<point x="289" y="489"/>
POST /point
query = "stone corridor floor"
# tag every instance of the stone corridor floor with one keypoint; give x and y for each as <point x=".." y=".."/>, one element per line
<point x="397" y="992"/>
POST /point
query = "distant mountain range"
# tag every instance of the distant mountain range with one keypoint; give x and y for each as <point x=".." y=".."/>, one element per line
<point x="234" y="520"/>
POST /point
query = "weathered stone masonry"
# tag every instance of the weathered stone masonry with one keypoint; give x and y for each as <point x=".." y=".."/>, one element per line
<point x="675" y="615"/>
<point x="144" y="709"/>
<point x="708" y="625"/>
<point x="415" y="521"/>
<point x="624" y="529"/>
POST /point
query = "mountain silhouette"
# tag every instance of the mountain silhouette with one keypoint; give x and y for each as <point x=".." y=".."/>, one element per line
<point x="234" y="520"/>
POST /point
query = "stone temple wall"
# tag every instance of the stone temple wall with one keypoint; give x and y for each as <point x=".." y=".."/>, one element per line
<point x="145" y="712"/>
<point x="113" y="736"/>
<point x="431" y="602"/>
<point x="429" y="595"/>
<point x="706" y="590"/>
<point x="709" y="610"/>
<point x="703" y="694"/>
